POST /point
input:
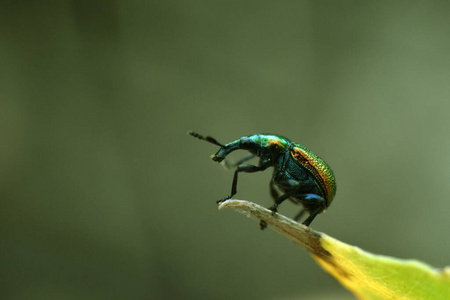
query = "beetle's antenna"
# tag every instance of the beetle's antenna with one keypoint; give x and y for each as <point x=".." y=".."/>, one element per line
<point x="205" y="138"/>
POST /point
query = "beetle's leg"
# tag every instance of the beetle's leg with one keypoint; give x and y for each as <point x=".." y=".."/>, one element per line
<point x="274" y="208"/>
<point x="316" y="202"/>
<point x="228" y="165"/>
<point x="312" y="216"/>
<point x="299" y="215"/>
<point x="244" y="159"/>
<point x="275" y="196"/>
<point x="273" y="191"/>
<point x="241" y="168"/>
<point x="278" y="201"/>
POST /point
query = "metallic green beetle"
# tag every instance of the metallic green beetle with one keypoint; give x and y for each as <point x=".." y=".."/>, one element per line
<point x="299" y="174"/>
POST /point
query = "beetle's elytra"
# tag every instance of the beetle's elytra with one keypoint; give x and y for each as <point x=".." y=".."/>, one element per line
<point x="298" y="173"/>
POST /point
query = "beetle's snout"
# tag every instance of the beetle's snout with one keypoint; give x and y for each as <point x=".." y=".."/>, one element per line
<point x="221" y="154"/>
<point x="217" y="158"/>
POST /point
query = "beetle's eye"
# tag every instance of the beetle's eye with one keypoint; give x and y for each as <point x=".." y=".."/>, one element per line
<point x="245" y="142"/>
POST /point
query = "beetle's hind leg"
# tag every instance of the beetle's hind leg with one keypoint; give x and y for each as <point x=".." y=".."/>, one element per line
<point x="299" y="215"/>
<point x="312" y="216"/>
<point x="313" y="203"/>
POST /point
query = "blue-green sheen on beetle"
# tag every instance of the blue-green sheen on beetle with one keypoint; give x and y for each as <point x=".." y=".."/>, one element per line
<point x="301" y="176"/>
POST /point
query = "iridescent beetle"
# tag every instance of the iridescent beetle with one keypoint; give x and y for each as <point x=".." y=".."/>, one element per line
<point x="299" y="174"/>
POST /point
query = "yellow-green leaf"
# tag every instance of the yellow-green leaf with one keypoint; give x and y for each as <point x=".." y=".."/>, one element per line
<point x="367" y="275"/>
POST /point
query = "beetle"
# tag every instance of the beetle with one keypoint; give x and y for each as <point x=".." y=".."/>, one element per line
<point x="301" y="176"/>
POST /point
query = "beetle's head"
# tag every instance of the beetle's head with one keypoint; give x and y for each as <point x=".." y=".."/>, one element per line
<point x="267" y="147"/>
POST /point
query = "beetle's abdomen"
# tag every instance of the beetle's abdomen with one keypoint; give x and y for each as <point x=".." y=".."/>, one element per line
<point x="318" y="167"/>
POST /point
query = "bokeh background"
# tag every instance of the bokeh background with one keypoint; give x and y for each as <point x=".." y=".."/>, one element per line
<point x="104" y="196"/>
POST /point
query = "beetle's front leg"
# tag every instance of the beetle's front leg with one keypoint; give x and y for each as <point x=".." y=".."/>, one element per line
<point x="241" y="168"/>
<point x="228" y="165"/>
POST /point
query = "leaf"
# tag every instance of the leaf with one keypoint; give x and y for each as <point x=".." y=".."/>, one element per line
<point x="368" y="276"/>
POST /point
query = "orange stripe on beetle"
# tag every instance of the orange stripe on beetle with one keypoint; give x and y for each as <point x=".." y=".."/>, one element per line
<point x="318" y="168"/>
<point x="275" y="144"/>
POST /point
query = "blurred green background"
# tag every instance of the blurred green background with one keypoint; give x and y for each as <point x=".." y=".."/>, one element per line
<point x="104" y="196"/>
